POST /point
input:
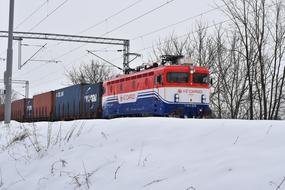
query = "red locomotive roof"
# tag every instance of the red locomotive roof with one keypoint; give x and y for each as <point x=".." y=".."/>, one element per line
<point x="174" y="68"/>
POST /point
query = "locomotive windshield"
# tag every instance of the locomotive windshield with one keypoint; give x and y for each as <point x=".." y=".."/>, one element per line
<point x="200" y="78"/>
<point x="177" y="77"/>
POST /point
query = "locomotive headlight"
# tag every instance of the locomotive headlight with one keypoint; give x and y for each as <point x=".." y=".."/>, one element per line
<point x="192" y="70"/>
<point x="203" y="98"/>
<point x="176" y="97"/>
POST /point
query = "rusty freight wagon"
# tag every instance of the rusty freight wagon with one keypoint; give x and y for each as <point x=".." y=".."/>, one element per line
<point x="21" y="110"/>
<point x="2" y="112"/>
<point x="43" y="106"/>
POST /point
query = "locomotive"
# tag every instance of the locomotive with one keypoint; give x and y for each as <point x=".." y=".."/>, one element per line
<point x="174" y="88"/>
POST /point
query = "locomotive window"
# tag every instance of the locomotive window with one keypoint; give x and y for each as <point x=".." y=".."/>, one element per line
<point x="177" y="77"/>
<point x="158" y="79"/>
<point x="200" y="78"/>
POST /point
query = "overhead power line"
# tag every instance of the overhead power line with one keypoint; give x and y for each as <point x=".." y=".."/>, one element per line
<point x="46" y="61"/>
<point x="138" y="17"/>
<point x="154" y="31"/>
<point x="206" y="27"/>
<point x="72" y="38"/>
<point x="104" y="60"/>
<point x="162" y="28"/>
<point x="185" y="35"/>
<point x="177" y="23"/>
<point x="40" y="83"/>
<point x="109" y="17"/>
<point x="49" y="14"/>
<point x="32" y="14"/>
<point x="178" y="37"/>
<point x="99" y="23"/>
<point x="118" y="27"/>
<point x="33" y="55"/>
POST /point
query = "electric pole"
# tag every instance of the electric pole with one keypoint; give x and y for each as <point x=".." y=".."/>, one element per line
<point x="8" y="72"/>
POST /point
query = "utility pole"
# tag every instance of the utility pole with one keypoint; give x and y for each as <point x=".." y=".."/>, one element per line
<point x="20" y="53"/>
<point x="8" y="72"/>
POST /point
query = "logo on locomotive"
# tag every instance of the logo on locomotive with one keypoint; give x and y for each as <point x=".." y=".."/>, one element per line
<point x="127" y="98"/>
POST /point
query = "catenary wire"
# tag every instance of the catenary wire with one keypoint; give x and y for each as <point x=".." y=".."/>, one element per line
<point x="93" y="26"/>
<point x="109" y="17"/>
<point x="138" y="17"/>
<point x="48" y="15"/>
<point x="120" y="26"/>
<point x="210" y="26"/>
<point x="162" y="28"/>
<point x="32" y="14"/>
<point x="178" y="37"/>
<point x="102" y="21"/>
<point x="42" y="20"/>
<point x="184" y="20"/>
<point x="177" y="23"/>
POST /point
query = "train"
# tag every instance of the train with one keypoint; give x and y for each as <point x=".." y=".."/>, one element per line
<point x="173" y="88"/>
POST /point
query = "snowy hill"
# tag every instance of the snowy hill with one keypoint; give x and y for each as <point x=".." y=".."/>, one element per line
<point x="143" y="153"/>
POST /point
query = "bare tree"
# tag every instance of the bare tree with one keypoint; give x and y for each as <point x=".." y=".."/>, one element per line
<point x="202" y="49"/>
<point x="170" y="46"/>
<point x="90" y="73"/>
<point x="277" y="34"/>
<point x="231" y="85"/>
<point x="238" y="12"/>
<point x="261" y="29"/>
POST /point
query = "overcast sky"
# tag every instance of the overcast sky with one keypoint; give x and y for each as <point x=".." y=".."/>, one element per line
<point x="74" y="16"/>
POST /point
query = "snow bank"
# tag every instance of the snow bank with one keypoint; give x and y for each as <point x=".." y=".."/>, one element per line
<point x="143" y="153"/>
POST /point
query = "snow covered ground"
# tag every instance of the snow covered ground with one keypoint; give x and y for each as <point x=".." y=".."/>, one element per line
<point x="143" y="153"/>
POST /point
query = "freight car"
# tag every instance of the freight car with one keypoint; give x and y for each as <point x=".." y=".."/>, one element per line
<point x="92" y="101"/>
<point x="21" y="110"/>
<point x="1" y="112"/>
<point x="43" y="106"/>
<point x="79" y="101"/>
<point x="170" y="89"/>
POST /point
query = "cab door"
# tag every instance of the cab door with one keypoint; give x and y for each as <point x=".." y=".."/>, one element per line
<point x="158" y="81"/>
